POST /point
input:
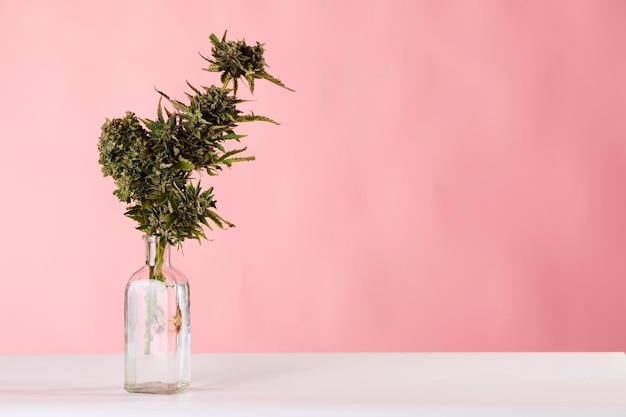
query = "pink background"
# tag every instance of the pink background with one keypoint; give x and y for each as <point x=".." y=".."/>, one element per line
<point x="449" y="175"/>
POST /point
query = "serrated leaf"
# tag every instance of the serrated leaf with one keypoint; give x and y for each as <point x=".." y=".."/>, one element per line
<point x="230" y="153"/>
<point x="228" y="162"/>
<point x="218" y="220"/>
<point x="254" y="118"/>
<point x="215" y="219"/>
<point x="163" y="94"/>
<point x="194" y="89"/>
<point x="273" y="80"/>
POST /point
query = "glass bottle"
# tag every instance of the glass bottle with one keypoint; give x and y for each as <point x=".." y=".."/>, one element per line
<point x="157" y="346"/>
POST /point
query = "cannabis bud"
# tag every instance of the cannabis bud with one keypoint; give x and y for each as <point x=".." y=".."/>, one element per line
<point x="236" y="59"/>
<point x="152" y="161"/>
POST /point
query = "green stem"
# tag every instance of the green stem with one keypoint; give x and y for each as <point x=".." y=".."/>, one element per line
<point x="155" y="273"/>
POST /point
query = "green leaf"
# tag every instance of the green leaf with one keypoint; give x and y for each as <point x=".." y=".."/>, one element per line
<point x="230" y="153"/>
<point x="205" y="58"/>
<point x="160" y="111"/>
<point x="225" y="78"/>
<point x="215" y="40"/>
<point x="163" y="94"/>
<point x="273" y="80"/>
<point x="253" y="118"/>
<point x="218" y="220"/>
<point x="194" y="89"/>
<point x="185" y="164"/>
<point x="228" y="162"/>
<point x="232" y="136"/>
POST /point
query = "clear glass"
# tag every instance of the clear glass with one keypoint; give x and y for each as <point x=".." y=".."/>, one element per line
<point x="157" y="329"/>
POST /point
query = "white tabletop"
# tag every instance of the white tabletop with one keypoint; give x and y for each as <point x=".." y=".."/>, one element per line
<point x="327" y="384"/>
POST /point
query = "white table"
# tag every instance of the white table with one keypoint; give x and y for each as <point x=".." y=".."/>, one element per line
<point x="327" y="384"/>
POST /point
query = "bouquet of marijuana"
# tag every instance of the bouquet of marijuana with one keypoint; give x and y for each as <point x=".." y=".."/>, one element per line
<point x="152" y="161"/>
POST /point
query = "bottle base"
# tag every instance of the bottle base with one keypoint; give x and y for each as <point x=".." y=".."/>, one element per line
<point x="156" y="388"/>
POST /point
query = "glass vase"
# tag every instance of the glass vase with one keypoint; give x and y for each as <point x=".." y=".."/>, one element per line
<point x="157" y="346"/>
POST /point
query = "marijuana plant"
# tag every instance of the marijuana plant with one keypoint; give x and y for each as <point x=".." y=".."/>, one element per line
<point x="153" y="161"/>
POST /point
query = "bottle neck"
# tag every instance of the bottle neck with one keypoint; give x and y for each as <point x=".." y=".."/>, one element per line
<point x="156" y="252"/>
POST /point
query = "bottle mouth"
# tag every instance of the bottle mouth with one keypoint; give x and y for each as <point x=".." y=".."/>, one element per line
<point x="151" y="238"/>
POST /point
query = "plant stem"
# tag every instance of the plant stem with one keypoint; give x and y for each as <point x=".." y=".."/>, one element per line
<point x="155" y="273"/>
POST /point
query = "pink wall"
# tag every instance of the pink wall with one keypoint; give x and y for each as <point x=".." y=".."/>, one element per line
<point x="450" y="175"/>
